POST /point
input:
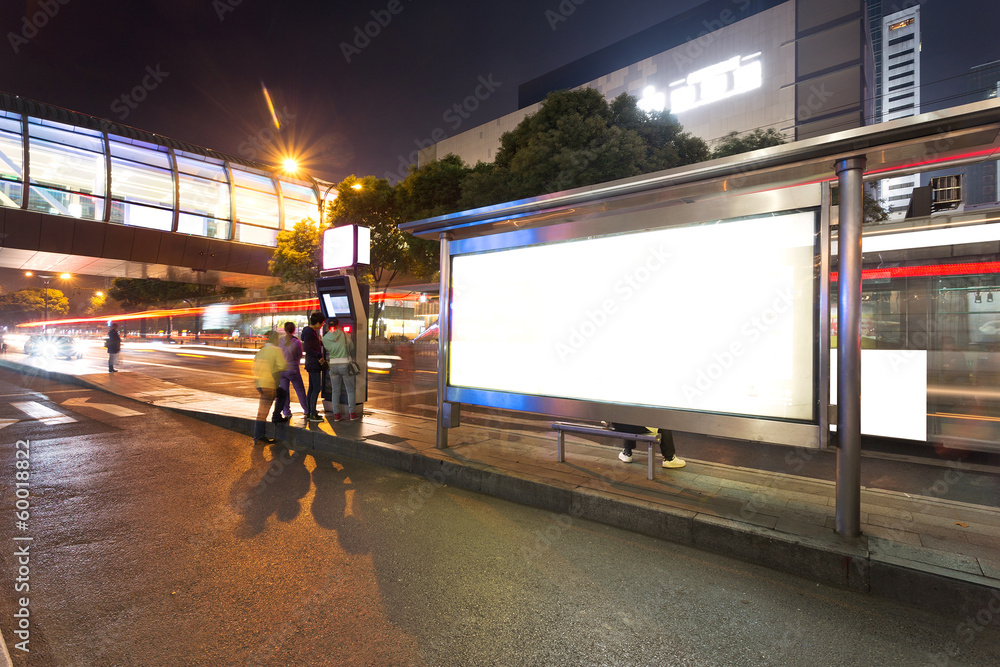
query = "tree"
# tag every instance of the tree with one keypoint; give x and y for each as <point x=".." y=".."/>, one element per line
<point x="577" y="138"/>
<point x="296" y="258"/>
<point x="432" y="190"/>
<point x="393" y="253"/>
<point x="33" y="303"/>
<point x="734" y="144"/>
<point x="141" y="293"/>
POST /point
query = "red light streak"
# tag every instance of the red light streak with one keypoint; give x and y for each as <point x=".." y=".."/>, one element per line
<point x="968" y="269"/>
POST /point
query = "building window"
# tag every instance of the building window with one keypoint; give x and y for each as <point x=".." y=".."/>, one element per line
<point x="11" y="162"/>
<point x="901" y="97"/>
<point x="901" y="54"/>
<point x="900" y="40"/>
<point x="901" y="24"/>
<point x="898" y="65"/>
<point x="204" y="199"/>
<point x="900" y="87"/>
<point x="142" y="184"/>
<point x="67" y="169"/>
<point x="902" y="108"/>
<point x="901" y="75"/>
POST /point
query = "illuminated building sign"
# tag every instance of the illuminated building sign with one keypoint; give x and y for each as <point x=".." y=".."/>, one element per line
<point x="710" y="84"/>
<point x="901" y="24"/>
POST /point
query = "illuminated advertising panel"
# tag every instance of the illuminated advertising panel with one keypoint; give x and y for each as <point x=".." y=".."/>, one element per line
<point x="346" y="246"/>
<point x="713" y="317"/>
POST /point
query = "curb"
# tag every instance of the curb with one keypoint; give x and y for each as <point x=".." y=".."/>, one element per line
<point x="834" y="561"/>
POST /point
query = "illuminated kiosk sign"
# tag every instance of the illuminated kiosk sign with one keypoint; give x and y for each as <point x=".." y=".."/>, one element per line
<point x="731" y="77"/>
<point x="346" y="246"/>
<point x="711" y="317"/>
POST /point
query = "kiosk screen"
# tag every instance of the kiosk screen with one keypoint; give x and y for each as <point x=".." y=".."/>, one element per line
<point x="337" y="305"/>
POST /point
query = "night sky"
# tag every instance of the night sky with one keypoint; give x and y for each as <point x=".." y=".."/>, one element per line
<point x="199" y="65"/>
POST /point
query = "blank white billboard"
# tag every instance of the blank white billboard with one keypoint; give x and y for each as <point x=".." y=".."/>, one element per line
<point x="714" y="317"/>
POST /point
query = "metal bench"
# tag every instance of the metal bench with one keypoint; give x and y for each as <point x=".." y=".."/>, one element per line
<point x="561" y="428"/>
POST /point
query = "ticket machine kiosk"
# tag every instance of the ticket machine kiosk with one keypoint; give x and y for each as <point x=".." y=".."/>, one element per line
<point x="342" y="297"/>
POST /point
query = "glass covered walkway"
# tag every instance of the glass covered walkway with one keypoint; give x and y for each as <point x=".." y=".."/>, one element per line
<point x="86" y="168"/>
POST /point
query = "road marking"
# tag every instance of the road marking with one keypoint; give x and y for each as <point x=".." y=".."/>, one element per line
<point x="44" y="414"/>
<point x="110" y="408"/>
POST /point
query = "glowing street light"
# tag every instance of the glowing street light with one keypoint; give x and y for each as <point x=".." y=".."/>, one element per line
<point x="45" y="291"/>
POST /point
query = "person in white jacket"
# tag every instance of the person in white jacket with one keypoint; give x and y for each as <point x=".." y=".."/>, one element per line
<point x="268" y="364"/>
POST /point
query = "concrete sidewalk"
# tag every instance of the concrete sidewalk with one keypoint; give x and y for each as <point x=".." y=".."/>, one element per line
<point x="921" y="549"/>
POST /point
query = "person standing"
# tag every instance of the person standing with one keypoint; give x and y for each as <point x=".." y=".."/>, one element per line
<point x="114" y="345"/>
<point x="312" y="347"/>
<point x="291" y="346"/>
<point x="339" y="352"/>
<point x="268" y="365"/>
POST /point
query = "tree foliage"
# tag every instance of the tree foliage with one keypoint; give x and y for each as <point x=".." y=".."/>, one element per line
<point x="734" y="144"/>
<point x="33" y="303"/>
<point x="577" y="138"/>
<point x="142" y="293"/>
<point x="432" y="190"/>
<point x="296" y="258"/>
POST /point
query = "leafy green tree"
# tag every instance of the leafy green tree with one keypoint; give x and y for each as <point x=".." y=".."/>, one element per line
<point x="373" y="204"/>
<point x="33" y="303"/>
<point x="432" y="190"/>
<point x="577" y="138"/>
<point x="296" y="259"/>
<point x="141" y="293"/>
<point x="734" y="144"/>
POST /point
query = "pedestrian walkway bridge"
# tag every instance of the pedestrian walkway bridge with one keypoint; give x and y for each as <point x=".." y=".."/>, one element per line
<point x="80" y="194"/>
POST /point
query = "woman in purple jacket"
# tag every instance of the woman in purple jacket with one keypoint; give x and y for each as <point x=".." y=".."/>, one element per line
<point x="292" y="348"/>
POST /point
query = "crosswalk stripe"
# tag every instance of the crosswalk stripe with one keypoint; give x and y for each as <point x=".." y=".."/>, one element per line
<point x="44" y="414"/>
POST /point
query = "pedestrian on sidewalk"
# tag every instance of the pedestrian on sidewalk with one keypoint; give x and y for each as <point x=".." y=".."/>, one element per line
<point x="291" y="346"/>
<point x="339" y="353"/>
<point x="312" y="347"/>
<point x="114" y="344"/>
<point x="670" y="458"/>
<point x="268" y="365"/>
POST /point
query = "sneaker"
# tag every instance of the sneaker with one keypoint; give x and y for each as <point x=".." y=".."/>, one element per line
<point x="674" y="463"/>
<point x="336" y="417"/>
<point x="315" y="418"/>
<point x="627" y="458"/>
<point x="354" y="415"/>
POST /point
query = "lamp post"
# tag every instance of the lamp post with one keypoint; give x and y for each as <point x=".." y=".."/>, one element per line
<point x="45" y="293"/>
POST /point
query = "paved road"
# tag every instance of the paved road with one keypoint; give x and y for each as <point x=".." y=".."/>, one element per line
<point x="159" y="540"/>
<point x="884" y="467"/>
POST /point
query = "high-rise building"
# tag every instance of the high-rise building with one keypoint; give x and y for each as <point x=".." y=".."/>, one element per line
<point x="801" y="67"/>
<point x="983" y="180"/>
<point x="900" y="92"/>
<point x="875" y="29"/>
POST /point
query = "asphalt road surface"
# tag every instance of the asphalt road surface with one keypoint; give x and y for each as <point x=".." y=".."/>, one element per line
<point x="903" y="467"/>
<point x="160" y="540"/>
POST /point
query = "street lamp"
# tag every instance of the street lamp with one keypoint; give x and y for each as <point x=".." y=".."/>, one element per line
<point x="45" y="292"/>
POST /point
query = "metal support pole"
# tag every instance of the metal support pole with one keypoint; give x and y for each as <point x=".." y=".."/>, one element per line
<point x="444" y="334"/>
<point x="850" y="172"/>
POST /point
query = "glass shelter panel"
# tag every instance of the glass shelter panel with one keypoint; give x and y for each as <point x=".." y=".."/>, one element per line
<point x="747" y="286"/>
<point x="930" y="336"/>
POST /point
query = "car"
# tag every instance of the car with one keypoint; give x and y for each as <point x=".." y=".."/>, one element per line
<point x="53" y="346"/>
